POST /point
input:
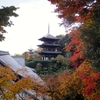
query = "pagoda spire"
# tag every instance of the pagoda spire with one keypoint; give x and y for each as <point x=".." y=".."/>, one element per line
<point x="48" y="28"/>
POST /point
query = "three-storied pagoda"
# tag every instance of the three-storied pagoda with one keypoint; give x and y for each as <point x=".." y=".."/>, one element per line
<point x="50" y="48"/>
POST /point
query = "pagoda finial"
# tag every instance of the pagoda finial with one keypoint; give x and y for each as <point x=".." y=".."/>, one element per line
<point x="48" y="28"/>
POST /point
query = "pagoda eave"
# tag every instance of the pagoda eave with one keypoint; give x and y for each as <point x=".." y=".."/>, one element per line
<point x="44" y="39"/>
<point x="50" y="52"/>
<point x="49" y="45"/>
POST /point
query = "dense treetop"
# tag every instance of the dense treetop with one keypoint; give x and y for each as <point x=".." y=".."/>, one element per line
<point x="5" y="14"/>
<point x="74" y="10"/>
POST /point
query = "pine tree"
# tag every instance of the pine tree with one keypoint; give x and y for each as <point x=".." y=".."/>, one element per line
<point x="5" y="14"/>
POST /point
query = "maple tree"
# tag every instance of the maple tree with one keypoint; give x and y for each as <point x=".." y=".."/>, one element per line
<point x="90" y="80"/>
<point x="51" y="86"/>
<point x="72" y="11"/>
<point x="13" y="87"/>
<point x="63" y="86"/>
<point x="86" y="12"/>
<point x="80" y="84"/>
<point x="76" y="46"/>
<point x="85" y="48"/>
<point x="90" y="35"/>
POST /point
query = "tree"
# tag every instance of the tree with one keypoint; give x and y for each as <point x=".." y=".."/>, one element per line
<point x="62" y="63"/>
<point x="90" y="80"/>
<point x="90" y="35"/>
<point x="13" y="87"/>
<point x="17" y="55"/>
<point x="5" y="14"/>
<point x="65" y="86"/>
<point x="63" y="41"/>
<point x="72" y="11"/>
<point x="26" y="55"/>
<point x="85" y="43"/>
<point x="76" y="47"/>
<point x="80" y="84"/>
<point x="31" y="56"/>
<point x="88" y="13"/>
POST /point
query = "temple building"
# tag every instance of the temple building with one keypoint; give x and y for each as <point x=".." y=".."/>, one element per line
<point x="50" y="48"/>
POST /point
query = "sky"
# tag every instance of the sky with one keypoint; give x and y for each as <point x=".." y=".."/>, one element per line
<point x="30" y="25"/>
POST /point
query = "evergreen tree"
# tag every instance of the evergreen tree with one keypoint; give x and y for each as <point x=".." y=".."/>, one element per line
<point x="5" y="14"/>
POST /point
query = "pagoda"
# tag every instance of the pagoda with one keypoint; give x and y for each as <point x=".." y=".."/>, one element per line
<point x="50" y="48"/>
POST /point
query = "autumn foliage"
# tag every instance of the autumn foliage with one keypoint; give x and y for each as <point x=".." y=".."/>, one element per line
<point x="82" y="83"/>
<point x="76" y="46"/>
<point x="13" y="87"/>
<point x="72" y="11"/>
<point x="90" y="80"/>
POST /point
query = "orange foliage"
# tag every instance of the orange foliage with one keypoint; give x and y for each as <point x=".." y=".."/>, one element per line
<point x="62" y="85"/>
<point x="52" y="85"/>
<point x="10" y="85"/>
<point x="75" y="43"/>
<point x="90" y="80"/>
<point x="83" y="81"/>
<point x="67" y="9"/>
<point x="76" y="46"/>
<point x="63" y="89"/>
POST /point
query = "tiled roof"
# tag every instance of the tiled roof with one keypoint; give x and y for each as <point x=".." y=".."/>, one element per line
<point x="49" y="45"/>
<point x="49" y="36"/>
<point x="3" y="53"/>
<point x="50" y="52"/>
<point x="15" y="66"/>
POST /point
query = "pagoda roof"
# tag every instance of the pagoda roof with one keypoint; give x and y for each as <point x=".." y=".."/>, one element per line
<point x="50" y="52"/>
<point x="49" y="45"/>
<point x="48" y="36"/>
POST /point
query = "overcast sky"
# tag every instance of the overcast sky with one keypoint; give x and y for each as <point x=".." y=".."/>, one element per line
<point x="32" y="24"/>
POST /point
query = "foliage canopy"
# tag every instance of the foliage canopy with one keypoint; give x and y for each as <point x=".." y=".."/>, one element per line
<point x="5" y="14"/>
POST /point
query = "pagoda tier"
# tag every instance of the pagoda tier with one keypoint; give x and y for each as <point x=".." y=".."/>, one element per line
<point x="49" y="45"/>
<point x="49" y="37"/>
<point x="51" y="53"/>
<point x="50" y="48"/>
